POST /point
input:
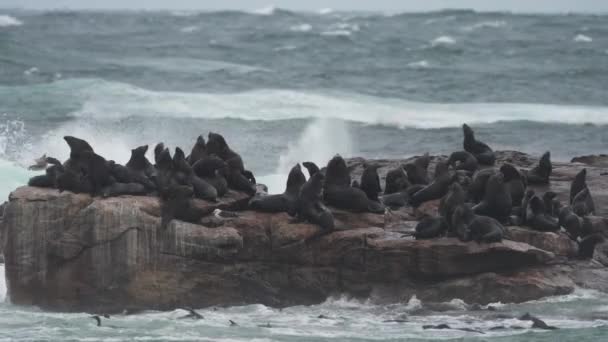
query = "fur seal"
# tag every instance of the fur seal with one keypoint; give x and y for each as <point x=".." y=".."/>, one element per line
<point x="395" y="200"/>
<point x="283" y="202"/>
<point x="238" y="177"/>
<point x="185" y="176"/>
<point x="199" y="150"/>
<point x="453" y="199"/>
<point x="176" y="203"/>
<point x="192" y="314"/>
<point x="340" y="194"/>
<point x="370" y="182"/>
<point x="417" y="172"/>
<point x="514" y="182"/>
<point x="49" y="179"/>
<point x="87" y="166"/>
<point x="477" y="189"/>
<point x="471" y="227"/>
<point x="430" y="227"/>
<point x="437" y="189"/>
<point x="540" y="220"/>
<point x="117" y="189"/>
<point x="463" y="160"/>
<point x="570" y="221"/>
<point x="537" y="323"/>
<point x="578" y="184"/>
<point x="540" y="173"/>
<point x="396" y="181"/>
<point x="139" y="163"/>
<point x="586" y="246"/>
<point x="311" y="167"/>
<point x="309" y="207"/>
<point x="550" y="203"/>
<point x="123" y="174"/>
<point x="158" y="149"/>
<point x="497" y="202"/>
<point x="482" y="152"/>
<point x="582" y="203"/>
<point x="214" y="171"/>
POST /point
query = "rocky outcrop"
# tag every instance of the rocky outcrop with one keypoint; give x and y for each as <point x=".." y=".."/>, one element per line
<point x="71" y="252"/>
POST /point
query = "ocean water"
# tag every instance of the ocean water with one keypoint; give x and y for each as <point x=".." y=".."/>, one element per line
<point x="285" y="87"/>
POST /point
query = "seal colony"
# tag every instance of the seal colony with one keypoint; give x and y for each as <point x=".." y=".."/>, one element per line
<point x="477" y="198"/>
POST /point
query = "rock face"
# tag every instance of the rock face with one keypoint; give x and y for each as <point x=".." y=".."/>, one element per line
<point x="70" y="252"/>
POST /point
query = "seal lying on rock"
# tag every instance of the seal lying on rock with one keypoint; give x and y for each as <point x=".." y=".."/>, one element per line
<point x="482" y="152"/>
<point x="430" y="228"/>
<point x="540" y="173"/>
<point x="471" y="227"/>
<point x="339" y="193"/>
<point x="283" y="202"/>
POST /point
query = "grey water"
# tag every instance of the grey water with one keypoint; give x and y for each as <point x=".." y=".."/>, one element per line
<point x="285" y="87"/>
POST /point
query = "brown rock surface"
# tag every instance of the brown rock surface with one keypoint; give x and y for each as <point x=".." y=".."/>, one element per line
<point x="70" y="252"/>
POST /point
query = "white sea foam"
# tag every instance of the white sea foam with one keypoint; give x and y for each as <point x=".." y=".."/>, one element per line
<point x="325" y="11"/>
<point x="2" y="284"/>
<point x="443" y="40"/>
<point x="285" y="48"/>
<point x="336" y="33"/>
<point x="423" y="64"/>
<point x="7" y="20"/>
<point x="301" y="28"/>
<point x="189" y="29"/>
<point x="581" y="38"/>
<point x="268" y="10"/>
<point x="187" y="65"/>
<point x="485" y="24"/>
<point x="30" y="71"/>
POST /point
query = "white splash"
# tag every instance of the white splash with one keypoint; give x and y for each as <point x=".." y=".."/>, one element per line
<point x="7" y="20"/>
<point x="30" y="71"/>
<point x="443" y="40"/>
<point x="581" y="38"/>
<point x="325" y="11"/>
<point x="336" y="33"/>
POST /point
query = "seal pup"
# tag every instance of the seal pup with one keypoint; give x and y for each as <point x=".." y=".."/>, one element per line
<point x="540" y="220"/>
<point x="311" y="167"/>
<point x="540" y="173"/>
<point x="482" y="152"/>
<point x="430" y="228"/>
<point x="39" y="164"/>
<point x="309" y="206"/>
<point x="453" y="199"/>
<point x="437" y="189"/>
<point x="370" y="182"/>
<point x="497" y="202"/>
<point x="463" y="160"/>
<point x="514" y="182"/>
<point x="396" y="181"/>
<point x="339" y="193"/>
<point x="578" y="184"/>
<point x="583" y="204"/>
<point x="281" y="202"/>
<point x="417" y="172"/>
<point x="199" y="150"/>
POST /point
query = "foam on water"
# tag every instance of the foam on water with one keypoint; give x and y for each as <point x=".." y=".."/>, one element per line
<point x="185" y="65"/>
<point x="13" y="176"/>
<point x="301" y="28"/>
<point x="2" y="284"/>
<point x="324" y="11"/>
<point x="7" y="20"/>
<point x="581" y="38"/>
<point x="424" y="64"/>
<point x="112" y="100"/>
<point x="189" y="29"/>
<point x="485" y="24"/>
<point x="443" y="40"/>
<point x="269" y="10"/>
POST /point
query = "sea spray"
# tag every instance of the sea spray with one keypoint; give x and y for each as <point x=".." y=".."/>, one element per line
<point x="319" y="142"/>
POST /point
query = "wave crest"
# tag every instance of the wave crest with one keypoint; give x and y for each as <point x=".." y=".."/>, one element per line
<point x="7" y="20"/>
